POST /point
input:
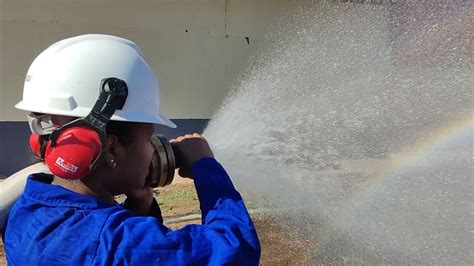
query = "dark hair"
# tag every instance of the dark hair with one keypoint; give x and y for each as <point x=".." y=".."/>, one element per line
<point x="122" y="130"/>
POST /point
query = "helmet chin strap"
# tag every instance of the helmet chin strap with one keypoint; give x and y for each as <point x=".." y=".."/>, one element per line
<point x="41" y="124"/>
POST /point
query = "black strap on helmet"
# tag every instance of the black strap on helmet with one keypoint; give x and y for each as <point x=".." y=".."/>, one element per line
<point x="113" y="94"/>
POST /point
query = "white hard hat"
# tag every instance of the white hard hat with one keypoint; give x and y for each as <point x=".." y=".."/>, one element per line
<point x="65" y="79"/>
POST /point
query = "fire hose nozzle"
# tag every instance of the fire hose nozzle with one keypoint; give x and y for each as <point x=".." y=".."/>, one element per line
<point x="163" y="163"/>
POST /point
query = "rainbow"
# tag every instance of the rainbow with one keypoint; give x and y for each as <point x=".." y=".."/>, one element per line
<point x="443" y="136"/>
<point x="451" y="131"/>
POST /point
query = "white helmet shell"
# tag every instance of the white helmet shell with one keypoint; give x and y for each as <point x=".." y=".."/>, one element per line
<point x="65" y="79"/>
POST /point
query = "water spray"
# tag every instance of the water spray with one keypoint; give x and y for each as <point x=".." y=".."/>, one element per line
<point x="348" y="125"/>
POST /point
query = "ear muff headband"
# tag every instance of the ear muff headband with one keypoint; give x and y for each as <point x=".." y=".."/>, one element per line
<point x="75" y="149"/>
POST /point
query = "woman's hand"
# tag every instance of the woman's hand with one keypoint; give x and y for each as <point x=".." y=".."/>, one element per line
<point x="189" y="149"/>
<point x="140" y="200"/>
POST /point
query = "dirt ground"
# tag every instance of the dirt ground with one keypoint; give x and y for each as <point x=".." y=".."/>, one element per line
<point x="2" y="254"/>
<point x="279" y="247"/>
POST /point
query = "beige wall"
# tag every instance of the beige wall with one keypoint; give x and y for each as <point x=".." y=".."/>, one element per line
<point x="196" y="68"/>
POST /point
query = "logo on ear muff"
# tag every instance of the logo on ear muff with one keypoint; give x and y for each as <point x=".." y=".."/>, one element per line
<point x="75" y="149"/>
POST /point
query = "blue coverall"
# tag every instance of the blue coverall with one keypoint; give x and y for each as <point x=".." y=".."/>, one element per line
<point x="50" y="225"/>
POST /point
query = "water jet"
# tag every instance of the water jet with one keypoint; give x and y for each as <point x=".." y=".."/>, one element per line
<point x="360" y="122"/>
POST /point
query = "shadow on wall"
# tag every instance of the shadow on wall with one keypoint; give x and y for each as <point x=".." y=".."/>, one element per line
<point x="15" y="153"/>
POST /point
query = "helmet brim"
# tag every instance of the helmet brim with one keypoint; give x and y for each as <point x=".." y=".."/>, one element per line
<point x="83" y="112"/>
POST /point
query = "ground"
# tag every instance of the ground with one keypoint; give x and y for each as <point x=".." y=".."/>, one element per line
<point x="2" y="255"/>
<point x="279" y="247"/>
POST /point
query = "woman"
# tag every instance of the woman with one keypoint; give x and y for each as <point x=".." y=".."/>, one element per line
<point x="71" y="217"/>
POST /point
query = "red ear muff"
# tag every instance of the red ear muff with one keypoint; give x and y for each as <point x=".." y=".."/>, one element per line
<point x="74" y="152"/>
<point x="38" y="144"/>
<point x="75" y="149"/>
<point x="35" y="144"/>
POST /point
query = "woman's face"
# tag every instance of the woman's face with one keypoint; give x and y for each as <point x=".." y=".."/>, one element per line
<point x="132" y="160"/>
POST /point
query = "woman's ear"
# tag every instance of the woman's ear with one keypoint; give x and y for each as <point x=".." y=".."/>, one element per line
<point x="112" y="151"/>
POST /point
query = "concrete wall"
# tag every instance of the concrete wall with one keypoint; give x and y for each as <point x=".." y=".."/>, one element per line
<point x="198" y="48"/>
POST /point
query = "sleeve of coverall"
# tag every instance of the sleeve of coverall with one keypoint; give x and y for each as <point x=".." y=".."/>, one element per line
<point x="226" y="237"/>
